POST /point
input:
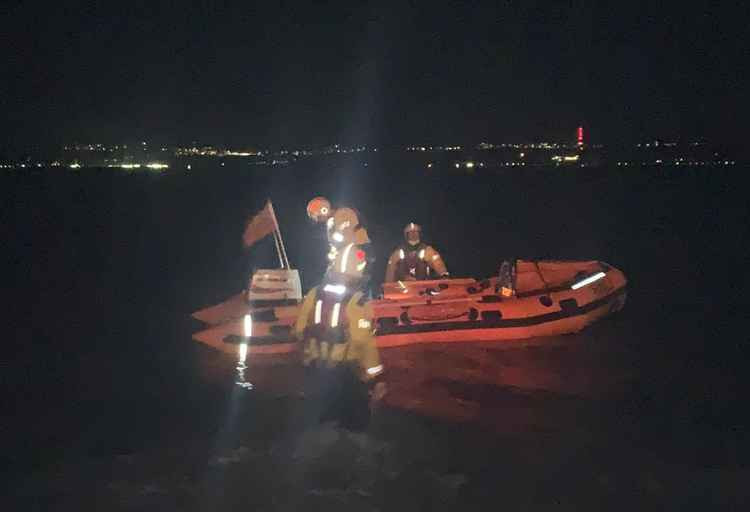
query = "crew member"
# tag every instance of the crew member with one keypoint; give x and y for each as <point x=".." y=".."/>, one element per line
<point x="414" y="260"/>
<point x="335" y="326"/>
<point x="346" y="234"/>
<point x="343" y="229"/>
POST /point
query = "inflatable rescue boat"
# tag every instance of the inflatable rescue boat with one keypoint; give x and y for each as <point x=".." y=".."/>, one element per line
<point x="534" y="298"/>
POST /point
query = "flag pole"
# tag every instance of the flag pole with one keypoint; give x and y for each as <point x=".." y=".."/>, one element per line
<point x="278" y="249"/>
<point x="279" y="240"/>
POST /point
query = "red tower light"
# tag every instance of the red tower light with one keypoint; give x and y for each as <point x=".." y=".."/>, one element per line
<point x="580" y="135"/>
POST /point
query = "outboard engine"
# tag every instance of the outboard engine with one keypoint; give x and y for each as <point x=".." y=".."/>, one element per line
<point x="506" y="283"/>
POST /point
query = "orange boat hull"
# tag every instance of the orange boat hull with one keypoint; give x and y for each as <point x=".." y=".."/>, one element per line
<point x="461" y="310"/>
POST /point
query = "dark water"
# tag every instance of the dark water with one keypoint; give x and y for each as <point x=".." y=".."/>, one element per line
<point x="101" y="272"/>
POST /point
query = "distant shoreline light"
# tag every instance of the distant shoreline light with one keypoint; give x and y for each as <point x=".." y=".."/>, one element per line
<point x="151" y="165"/>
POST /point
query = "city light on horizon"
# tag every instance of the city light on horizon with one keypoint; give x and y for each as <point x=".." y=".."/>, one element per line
<point x="503" y="154"/>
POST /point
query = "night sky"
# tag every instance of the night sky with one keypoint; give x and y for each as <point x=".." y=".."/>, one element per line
<point x="283" y="74"/>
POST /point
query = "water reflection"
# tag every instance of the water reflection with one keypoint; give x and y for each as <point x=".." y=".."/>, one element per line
<point x="241" y="367"/>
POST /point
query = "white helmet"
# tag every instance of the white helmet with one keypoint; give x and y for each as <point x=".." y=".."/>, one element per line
<point x="412" y="233"/>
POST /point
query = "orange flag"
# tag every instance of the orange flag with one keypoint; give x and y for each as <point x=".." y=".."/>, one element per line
<point x="261" y="225"/>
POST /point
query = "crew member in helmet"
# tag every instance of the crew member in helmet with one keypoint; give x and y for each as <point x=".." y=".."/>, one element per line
<point x="335" y="326"/>
<point x="345" y="234"/>
<point x="414" y="260"/>
<point x="343" y="229"/>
